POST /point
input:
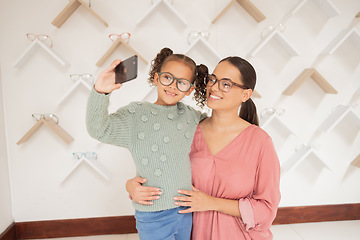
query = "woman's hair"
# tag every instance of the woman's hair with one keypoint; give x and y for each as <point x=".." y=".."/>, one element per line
<point x="166" y="55"/>
<point x="248" y="77"/>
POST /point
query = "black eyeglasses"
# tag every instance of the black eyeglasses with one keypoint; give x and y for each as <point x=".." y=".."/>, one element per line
<point x="167" y="79"/>
<point x="225" y="84"/>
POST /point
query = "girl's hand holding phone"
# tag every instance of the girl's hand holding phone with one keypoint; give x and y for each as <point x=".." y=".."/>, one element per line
<point x="105" y="83"/>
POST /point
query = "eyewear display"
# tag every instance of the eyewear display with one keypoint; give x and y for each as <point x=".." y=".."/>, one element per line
<point x="85" y="76"/>
<point x="37" y="117"/>
<point x="270" y="111"/>
<point x="87" y="155"/>
<point x="224" y="84"/>
<point x="125" y="36"/>
<point x="42" y="37"/>
<point x="193" y="35"/>
<point x="167" y="79"/>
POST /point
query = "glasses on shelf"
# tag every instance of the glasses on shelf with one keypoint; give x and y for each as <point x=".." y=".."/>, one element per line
<point x="124" y="36"/>
<point x="270" y="111"/>
<point x="224" y="84"/>
<point x="167" y="79"/>
<point x="85" y="76"/>
<point x="42" y="37"/>
<point x="269" y="29"/>
<point x="87" y="155"/>
<point x="193" y="35"/>
<point x="37" y="117"/>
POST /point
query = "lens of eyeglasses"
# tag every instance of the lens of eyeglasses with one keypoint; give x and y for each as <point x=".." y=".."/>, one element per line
<point x="183" y="85"/>
<point x="77" y="155"/>
<point x="166" y="79"/>
<point x="224" y="84"/>
<point x="87" y="77"/>
<point x="43" y="38"/>
<point x="75" y="77"/>
<point x="125" y="36"/>
<point x="90" y="155"/>
<point x="31" y="36"/>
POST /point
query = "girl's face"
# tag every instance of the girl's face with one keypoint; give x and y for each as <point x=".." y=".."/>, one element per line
<point x="170" y="95"/>
<point x="220" y="100"/>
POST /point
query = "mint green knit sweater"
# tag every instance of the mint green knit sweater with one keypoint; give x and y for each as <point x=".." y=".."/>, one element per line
<point x="158" y="137"/>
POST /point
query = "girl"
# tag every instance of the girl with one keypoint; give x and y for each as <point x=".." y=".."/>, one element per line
<point x="158" y="135"/>
<point x="235" y="168"/>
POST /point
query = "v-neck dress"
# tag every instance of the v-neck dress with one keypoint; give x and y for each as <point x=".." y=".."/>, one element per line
<point x="247" y="170"/>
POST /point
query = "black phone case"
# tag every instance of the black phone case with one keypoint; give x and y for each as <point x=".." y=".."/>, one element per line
<point x="126" y="70"/>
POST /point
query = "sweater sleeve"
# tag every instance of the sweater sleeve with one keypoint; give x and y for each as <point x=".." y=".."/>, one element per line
<point x="259" y="210"/>
<point x="108" y="128"/>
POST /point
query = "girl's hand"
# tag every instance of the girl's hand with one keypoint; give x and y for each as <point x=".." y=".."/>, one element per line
<point x="105" y="83"/>
<point x="140" y="194"/>
<point x="197" y="201"/>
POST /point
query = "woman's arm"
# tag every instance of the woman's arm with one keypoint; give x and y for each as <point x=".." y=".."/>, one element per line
<point x="141" y="194"/>
<point x="199" y="201"/>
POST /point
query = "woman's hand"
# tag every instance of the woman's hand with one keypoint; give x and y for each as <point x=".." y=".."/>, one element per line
<point x="140" y="194"/>
<point x="105" y="83"/>
<point x="197" y="201"/>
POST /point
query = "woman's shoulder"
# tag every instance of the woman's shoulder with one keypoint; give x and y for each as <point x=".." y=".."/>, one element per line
<point x="258" y="132"/>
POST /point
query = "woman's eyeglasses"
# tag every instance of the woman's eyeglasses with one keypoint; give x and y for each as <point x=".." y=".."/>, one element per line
<point x="42" y="37"/>
<point x="37" y="117"/>
<point x="167" y="79"/>
<point x="124" y="36"/>
<point x="224" y="84"/>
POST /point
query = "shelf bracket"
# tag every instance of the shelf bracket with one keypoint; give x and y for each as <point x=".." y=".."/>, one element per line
<point x="75" y="85"/>
<point x="70" y="9"/>
<point x="316" y="76"/>
<point x="111" y="50"/>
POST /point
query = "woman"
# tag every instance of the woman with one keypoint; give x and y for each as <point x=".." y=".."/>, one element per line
<point x="235" y="169"/>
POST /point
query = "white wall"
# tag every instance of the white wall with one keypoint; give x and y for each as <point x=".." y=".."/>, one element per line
<point x="38" y="165"/>
<point x="6" y="216"/>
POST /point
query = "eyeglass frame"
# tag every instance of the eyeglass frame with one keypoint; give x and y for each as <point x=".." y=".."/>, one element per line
<point x="52" y="116"/>
<point x="119" y="36"/>
<point x="75" y="155"/>
<point x="173" y="79"/>
<point x="39" y="35"/>
<point x="223" y="79"/>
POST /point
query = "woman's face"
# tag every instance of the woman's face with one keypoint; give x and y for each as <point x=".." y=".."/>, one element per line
<point x="218" y="99"/>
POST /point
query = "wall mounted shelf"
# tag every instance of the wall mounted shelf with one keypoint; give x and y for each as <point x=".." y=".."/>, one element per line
<point x="303" y="152"/>
<point x="93" y="163"/>
<point x="52" y="125"/>
<point x="279" y="37"/>
<point x="356" y="161"/>
<point x="326" y="5"/>
<point x="358" y="15"/>
<point x="111" y="50"/>
<point x="352" y="35"/>
<point x="256" y="94"/>
<point x="33" y="47"/>
<point x="314" y="75"/>
<point x="249" y="8"/>
<point x="70" y="9"/>
<point x="75" y="85"/>
<point x="273" y="118"/>
<point x="337" y="115"/>
<point x="168" y="6"/>
<point x="201" y="41"/>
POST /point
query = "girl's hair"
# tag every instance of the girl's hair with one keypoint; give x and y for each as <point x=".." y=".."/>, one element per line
<point x="248" y="77"/>
<point x="166" y="55"/>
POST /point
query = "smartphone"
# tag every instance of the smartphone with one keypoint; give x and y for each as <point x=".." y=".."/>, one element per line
<point x="126" y="70"/>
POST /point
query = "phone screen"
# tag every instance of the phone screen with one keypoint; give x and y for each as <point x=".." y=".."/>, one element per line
<point x="126" y="70"/>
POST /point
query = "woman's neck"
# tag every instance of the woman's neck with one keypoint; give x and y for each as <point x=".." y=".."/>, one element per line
<point x="224" y="120"/>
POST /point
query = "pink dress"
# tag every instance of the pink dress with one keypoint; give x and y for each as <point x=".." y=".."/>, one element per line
<point x="248" y="170"/>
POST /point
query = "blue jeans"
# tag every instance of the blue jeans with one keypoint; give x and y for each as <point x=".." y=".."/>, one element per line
<point x="164" y="225"/>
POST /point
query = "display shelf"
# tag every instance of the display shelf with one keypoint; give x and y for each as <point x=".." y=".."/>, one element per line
<point x="301" y="154"/>
<point x="356" y="161"/>
<point x="111" y="50"/>
<point x="352" y="35"/>
<point x="73" y="87"/>
<point x="30" y="51"/>
<point x="168" y="6"/>
<point x="279" y="37"/>
<point x="337" y="115"/>
<point x="358" y="15"/>
<point x="271" y="117"/>
<point x="70" y="9"/>
<point x="204" y="43"/>
<point x="326" y="5"/>
<point x="93" y="163"/>
<point x="52" y="125"/>
<point x="249" y="8"/>
<point x="256" y="94"/>
<point x="314" y="75"/>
